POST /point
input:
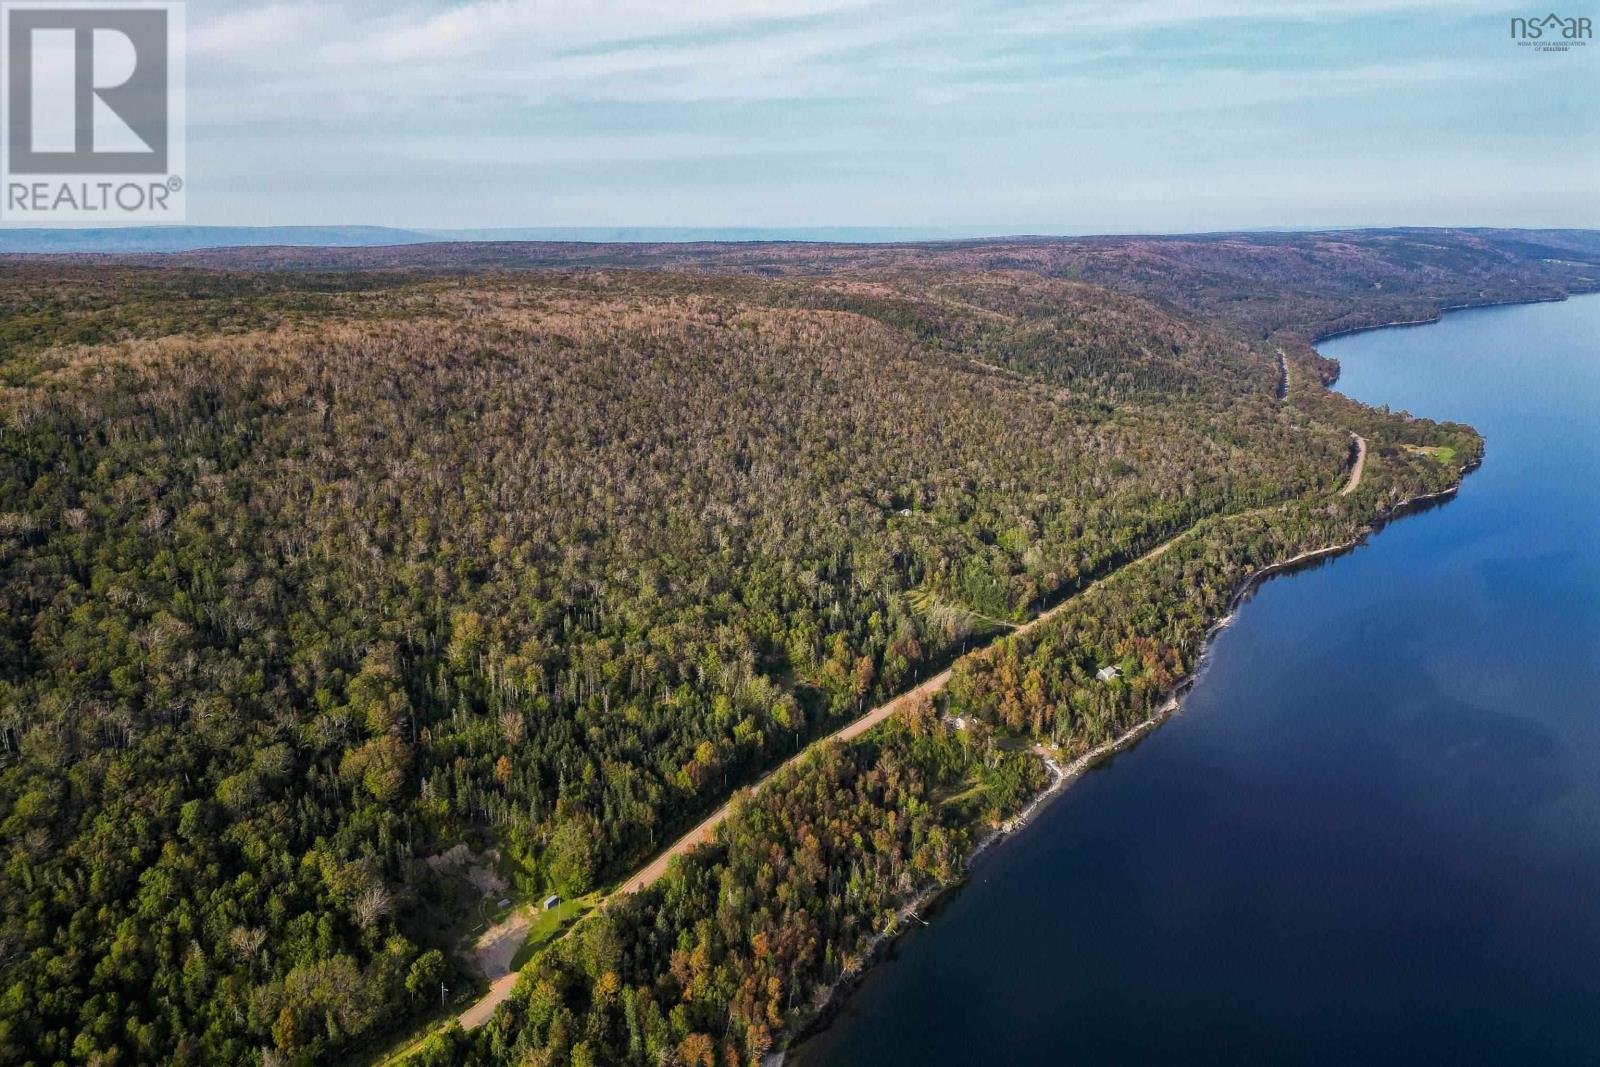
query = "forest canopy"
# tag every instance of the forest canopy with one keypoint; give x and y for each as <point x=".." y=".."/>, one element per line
<point x="312" y="577"/>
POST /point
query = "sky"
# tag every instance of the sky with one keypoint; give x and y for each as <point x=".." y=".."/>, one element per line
<point x="1005" y="117"/>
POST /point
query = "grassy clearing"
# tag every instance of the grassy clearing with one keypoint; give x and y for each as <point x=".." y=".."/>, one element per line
<point x="927" y="604"/>
<point x="966" y="801"/>
<point x="551" y="924"/>
<point x="1443" y="453"/>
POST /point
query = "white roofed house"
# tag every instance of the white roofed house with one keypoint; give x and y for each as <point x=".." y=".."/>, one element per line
<point x="1107" y="673"/>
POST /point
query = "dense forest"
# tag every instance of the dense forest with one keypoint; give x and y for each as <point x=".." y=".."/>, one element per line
<point x="748" y="938"/>
<point x="312" y="576"/>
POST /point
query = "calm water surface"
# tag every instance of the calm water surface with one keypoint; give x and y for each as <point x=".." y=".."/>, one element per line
<point x="1373" y="834"/>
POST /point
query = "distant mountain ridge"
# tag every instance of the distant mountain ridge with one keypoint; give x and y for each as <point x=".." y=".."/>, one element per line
<point x="132" y="240"/>
<point x="117" y="239"/>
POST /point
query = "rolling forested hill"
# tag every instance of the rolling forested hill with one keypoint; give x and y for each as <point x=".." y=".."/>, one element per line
<point x="313" y="574"/>
<point x="1308" y="284"/>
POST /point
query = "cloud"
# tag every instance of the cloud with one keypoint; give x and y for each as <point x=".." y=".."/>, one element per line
<point x="867" y="102"/>
<point x="1102" y="16"/>
<point x="408" y="32"/>
<point x="250" y="63"/>
<point x="529" y="54"/>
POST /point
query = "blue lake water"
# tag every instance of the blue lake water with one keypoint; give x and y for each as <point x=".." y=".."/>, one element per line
<point x="1373" y="832"/>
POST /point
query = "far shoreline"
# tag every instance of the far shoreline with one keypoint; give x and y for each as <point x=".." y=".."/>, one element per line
<point x="1440" y="313"/>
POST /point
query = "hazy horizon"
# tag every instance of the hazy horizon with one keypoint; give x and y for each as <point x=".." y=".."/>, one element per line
<point x="618" y="234"/>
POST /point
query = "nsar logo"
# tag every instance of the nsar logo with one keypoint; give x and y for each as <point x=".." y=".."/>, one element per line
<point x="1552" y="33"/>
